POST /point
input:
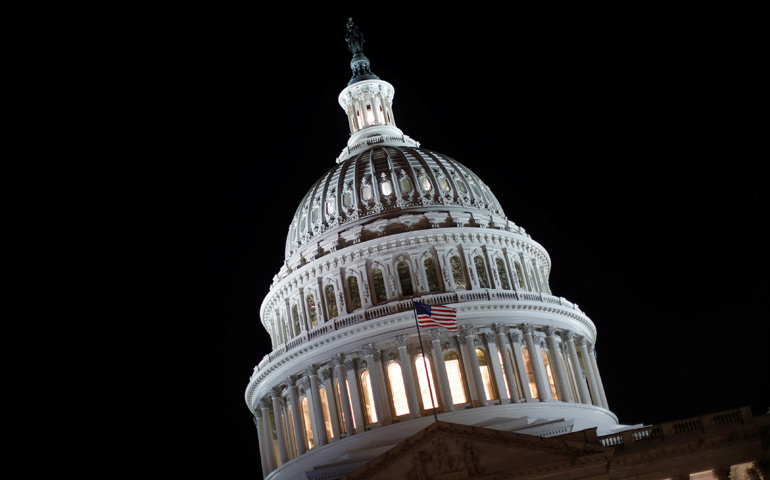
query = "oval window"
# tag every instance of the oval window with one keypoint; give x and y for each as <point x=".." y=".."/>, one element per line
<point x="444" y="184"/>
<point x="366" y="192"/>
<point x="462" y="188"/>
<point x="386" y="188"/>
<point x="330" y="207"/>
<point x="406" y="185"/>
<point x="426" y="183"/>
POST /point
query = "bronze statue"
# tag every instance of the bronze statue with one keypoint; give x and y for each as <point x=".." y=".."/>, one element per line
<point x="355" y="38"/>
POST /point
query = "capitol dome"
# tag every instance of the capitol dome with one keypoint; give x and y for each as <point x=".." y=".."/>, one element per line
<point x="349" y="375"/>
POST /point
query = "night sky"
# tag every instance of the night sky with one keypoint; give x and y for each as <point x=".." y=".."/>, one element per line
<point x="625" y="142"/>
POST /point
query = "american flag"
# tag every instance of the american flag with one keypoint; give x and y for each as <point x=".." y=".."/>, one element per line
<point x="436" y="316"/>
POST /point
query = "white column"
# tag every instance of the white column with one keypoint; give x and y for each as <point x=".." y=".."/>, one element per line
<point x="296" y="415"/>
<point x="595" y="396"/>
<point x="543" y="389"/>
<point x="331" y="400"/>
<point x="347" y="414"/>
<point x="468" y="335"/>
<point x="556" y="366"/>
<point x="497" y="369"/>
<point x="269" y="452"/>
<point x="387" y="417"/>
<point x="275" y="393"/>
<point x="406" y="372"/>
<point x="368" y="350"/>
<point x="577" y="369"/>
<point x="350" y="366"/>
<point x="261" y="437"/>
<point x="499" y="329"/>
<point x="312" y="372"/>
<point x="595" y="367"/>
<point x="521" y="367"/>
<point x="438" y="357"/>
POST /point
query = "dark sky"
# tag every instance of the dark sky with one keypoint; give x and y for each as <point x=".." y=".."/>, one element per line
<point x="625" y="141"/>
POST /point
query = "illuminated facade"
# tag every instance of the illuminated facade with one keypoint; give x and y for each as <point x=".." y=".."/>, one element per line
<point x="346" y="380"/>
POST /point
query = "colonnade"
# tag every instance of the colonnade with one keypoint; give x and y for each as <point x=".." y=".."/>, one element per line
<point x="500" y="364"/>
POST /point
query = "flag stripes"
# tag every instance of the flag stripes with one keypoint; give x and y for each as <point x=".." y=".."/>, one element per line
<point x="436" y="316"/>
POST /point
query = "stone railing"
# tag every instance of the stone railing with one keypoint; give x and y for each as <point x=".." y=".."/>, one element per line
<point x="679" y="427"/>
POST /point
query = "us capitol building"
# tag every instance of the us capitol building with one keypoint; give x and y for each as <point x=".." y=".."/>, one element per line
<point x="517" y="390"/>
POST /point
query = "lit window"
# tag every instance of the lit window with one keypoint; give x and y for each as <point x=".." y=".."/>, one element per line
<point x="347" y="199"/>
<point x="443" y="184"/>
<point x="330" y="207"/>
<point x="308" y="425"/>
<point x="457" y="272"/>
<point x="405" y="278"/>
<point x="386" y="188"/>
<point x="331" y="301"/>
<point x="426" y="185"/>
<point x="406" y="185"/>
<point x="355" y="296"/>
<point x="530" y="375"/>
<point x="369" y="114"/>
<point x="366" y="192"/>
<point x="366" y="386"/>
<point x="314" y="215"/>
<point x="311" y="311"/>
<point x="427" y="387"/>
<point x="430" y="273"/>
<point x="350" y="402"/>
<point x="502" y="274"/>
<point x="486" y="376"/>
<point x="481" y="270"/>
<point x="397" y="391"/>
<point x="295" y="317"/>
<point x="455" y="376"/>
<point x="327" y="417"/>
<point x="379" y="286"/>
<point x="547" y="364"/>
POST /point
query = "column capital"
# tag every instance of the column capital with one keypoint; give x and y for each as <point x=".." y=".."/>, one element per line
<point x="265" y="402"/>
<point x="490" y="337"/>
<point x="467" y="330"/>
<point x="350" y="364"/>
<point x="498" y="328"/>
<point x="312" y="370"/>
<point x="590" y="347"/>
<point x="435" y="333"/>
<point x="377" y="355"/>
<point x="461" y="337"/>
<point x="527" y="328"/>
<point x="515" y="337"/>
<point x="400" y="340"/>
<point x="580" y="341"/>
<point x="569" y="335"/>
<point x="304" y="383"/>
<point x="257" y="414"/>
<point x="326" y="374"/>
<point x="275" y="392"/>
<point x="550" y="330"/>
<point x="366" y="349"/>
<point x="338" y="359"/>
<point x="291" y="381"/>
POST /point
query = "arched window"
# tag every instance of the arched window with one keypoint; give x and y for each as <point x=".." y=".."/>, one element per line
<point x="486" y="375"/>
<point x="308" y="425"/>
<point x="327" y="416"/>
<point x="530" y="375"/>
<point x="295" y="318"/>
<point x="405" y="279"/>
<point x="355" y="296"/>
<point x="379" y="286"/>
<point x="547" y="364"/>
<point x="427" y="387"/>
<point x="520" y="274"/>
<point x="503" y="275"/>
<point x="284" y="327"/>
<point x="455" y="376"/>
<point x="311" y="311"/>
<point x="366" y="386"/>
<point x="457" y="273"/>
<point x="331" y="301"/>
<point x="432" y="276"/>
<point x="397" y="391"/>
<point x="481" y="271"/>
<point x="536" y="279"/>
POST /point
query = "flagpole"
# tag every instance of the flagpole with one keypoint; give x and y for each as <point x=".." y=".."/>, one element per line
<point x="424" y="362"/>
